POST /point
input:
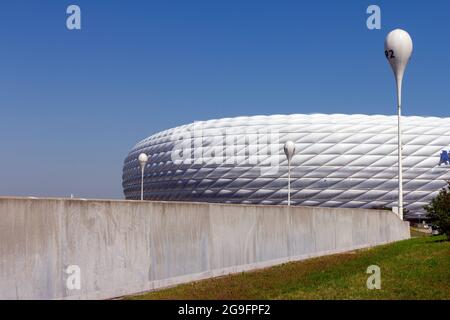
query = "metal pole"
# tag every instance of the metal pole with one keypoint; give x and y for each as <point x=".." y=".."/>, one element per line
<point x="400" y="166"/>
<point x="289" y="151"/>
<point x="289" y="182"/>
<point x="142" y="182"/>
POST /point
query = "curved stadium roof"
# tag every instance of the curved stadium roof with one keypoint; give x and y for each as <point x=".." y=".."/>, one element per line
<point x="340" y="161"/>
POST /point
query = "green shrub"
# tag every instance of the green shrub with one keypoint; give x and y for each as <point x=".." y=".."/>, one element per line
<point x="439" y="211"/>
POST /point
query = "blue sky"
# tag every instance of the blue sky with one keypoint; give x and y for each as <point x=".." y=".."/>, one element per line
<point x="73" y="103"/>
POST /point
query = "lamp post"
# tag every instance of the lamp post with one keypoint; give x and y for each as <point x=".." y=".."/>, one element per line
<point x="398" y="48"/>
<point x="143" y="159"/>
<point x="289" y="150"/>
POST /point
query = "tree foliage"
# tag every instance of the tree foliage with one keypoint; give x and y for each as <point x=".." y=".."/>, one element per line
<point x="439" y="211"/>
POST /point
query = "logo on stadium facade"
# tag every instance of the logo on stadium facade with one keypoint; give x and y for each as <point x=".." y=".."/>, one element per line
<point x="445" y="158"/>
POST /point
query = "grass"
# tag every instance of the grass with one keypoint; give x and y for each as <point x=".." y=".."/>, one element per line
<point x="416" y="232"/>
<point x="418" y="268"/>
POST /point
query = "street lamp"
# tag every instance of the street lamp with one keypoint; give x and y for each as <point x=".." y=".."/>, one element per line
<point x="143" y="158"/>
<point x="289" y="150"/>
<point x="398" y="48"/>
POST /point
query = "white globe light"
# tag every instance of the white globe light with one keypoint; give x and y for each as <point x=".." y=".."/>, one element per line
<point x="398" y="48"/>
<point x="143" y="158"/>
<point x="289" y="150"/>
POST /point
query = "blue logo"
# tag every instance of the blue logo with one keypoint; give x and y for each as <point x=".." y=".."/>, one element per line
<point x="444" y="157"/>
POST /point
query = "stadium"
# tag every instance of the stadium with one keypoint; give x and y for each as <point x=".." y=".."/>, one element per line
<point x="340" y="161"/>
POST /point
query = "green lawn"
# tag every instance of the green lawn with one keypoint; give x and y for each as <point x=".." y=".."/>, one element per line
<point x="418" y="268"/>
<point x="415" y="232"/>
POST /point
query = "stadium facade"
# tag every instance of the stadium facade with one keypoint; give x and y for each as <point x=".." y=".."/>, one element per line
<point x="340" y="161"/>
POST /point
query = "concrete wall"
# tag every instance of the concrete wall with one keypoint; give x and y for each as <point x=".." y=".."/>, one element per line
<point x="124" y="247"/>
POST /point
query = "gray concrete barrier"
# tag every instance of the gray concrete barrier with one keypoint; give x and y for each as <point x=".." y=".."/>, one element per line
<point x="125" y="247"/>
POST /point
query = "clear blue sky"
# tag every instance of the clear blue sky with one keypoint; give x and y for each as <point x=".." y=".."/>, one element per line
<point x="73" y="103"/>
